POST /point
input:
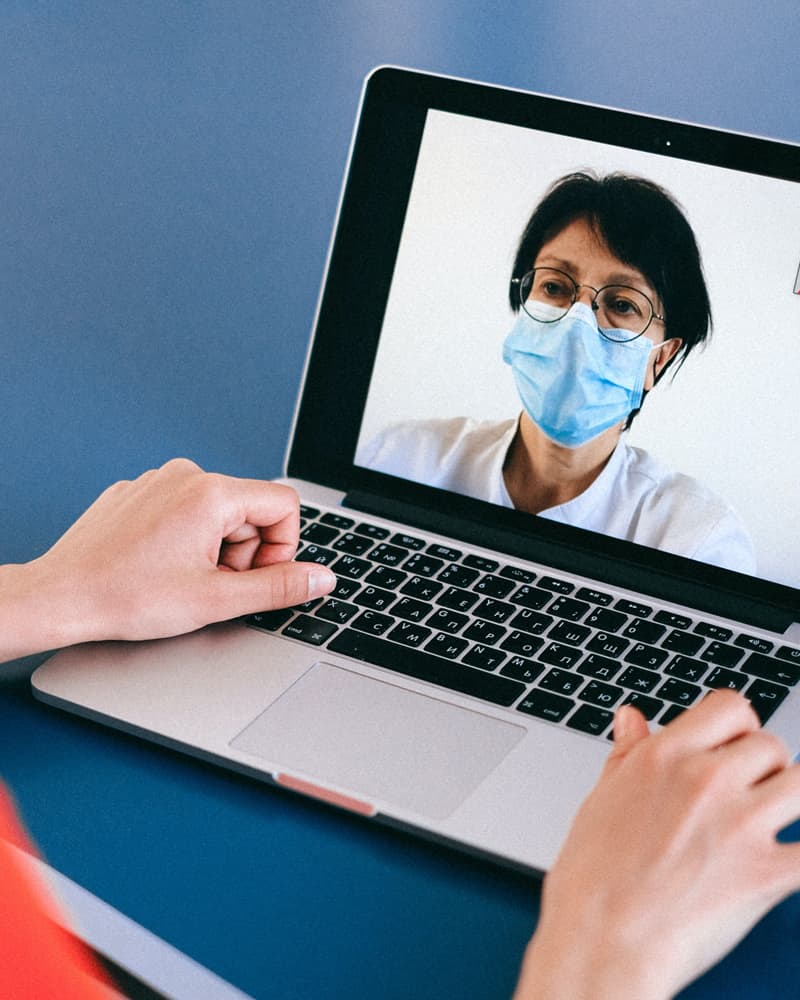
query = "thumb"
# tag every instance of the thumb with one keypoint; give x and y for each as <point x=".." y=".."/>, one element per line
<point x="277" y="586"/>
<point x="630" y="727"/>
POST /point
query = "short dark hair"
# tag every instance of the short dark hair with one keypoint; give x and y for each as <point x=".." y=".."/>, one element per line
<point x="642" y="225"/>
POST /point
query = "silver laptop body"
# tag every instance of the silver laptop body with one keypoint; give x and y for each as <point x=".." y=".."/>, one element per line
<point x="489" y="735"/>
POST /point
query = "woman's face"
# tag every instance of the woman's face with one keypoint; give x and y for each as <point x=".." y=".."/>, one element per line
<point x="578" y="251"/>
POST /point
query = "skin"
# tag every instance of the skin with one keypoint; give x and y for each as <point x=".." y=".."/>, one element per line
<point x="670" y="861"/>
<point x="539" y="473"/>
<point x="171" y="551"/>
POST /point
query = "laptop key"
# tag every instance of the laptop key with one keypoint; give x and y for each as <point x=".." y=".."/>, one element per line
<point x="531" y="597"/>
<point x="308" y="629"/>
<point x="569" y="608"/>
<point x="643" y="631"/>
<point x="780" y="671"/>
<point x="573" y="635"/>
<point x="671" y="713"/>
<point x="683" y="642"/>
<point x="446" y="645"/>
<point x="444" y="552"/>
<point x="531" y="621"/>
<point x="561" y="681"/>
<point x="373" y="622"/>
<point x="789" y="653"/>
<point x="518" y="574"/>
<point x="753" y="643"/>
<point x="546" y="705"/>
<point x="447" y="620"/>
<point x="484" y="657"/>
<point x="680" y="692"/>
<point x="457" y="599"/>
<point x="606" y="620"/>
<point x="458" y="576"/>
<point x="409" y="633"/>
<point x="411" y="609"/>
<point x="496" y="611"/>
<point x="765" y="698"/>
<point x="607" y="645"/>
<point x="389" y="555"/>
<point x="649" y="707"/>
<point x="319" y="533"/>
<point x="521" y="643"/>
<point x="356" y="545"/>
<point x="711" y="631"/>
<point x="485" y="632"/>
<point x="421" y="587"/>
<point x="555" y="585"/>
<point x="424" y="666"/>
<point x="722" y="677"/>
<point x="351" y="567"/>
<point x="522" y="669"/>
<point x="594" y="596"/>
<point x="671" y="620"/>
<point x="407" y="541"/>
<point x="604" y="695"/>
<point x="639" y="679"/>
<point x="337" y="521"/>
<point x="317" y="554"/>
<point x="423" y="564"/>
<point x="591" y="719"/>
<point x="309" y="512"/>
<point x="722" y="654"/>
<point x="642" y="655"/>
<point x="375" y="598"/>
<point x="603" y="667"/>
<point x="494" y="586"/>
<point x="270" y="621"/>
<point x="633" y="608"/>
<point x="372" y="531"/>
<point x="687" y="668"/>
<point x="482" y="563"/>
<point x="335" y="611"/>
<point x="386" y="576"/>
<point x="559" y="655"/>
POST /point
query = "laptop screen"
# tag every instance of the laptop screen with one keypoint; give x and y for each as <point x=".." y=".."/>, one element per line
<point x="519" y="329"/>
<point x="714" y="443"/>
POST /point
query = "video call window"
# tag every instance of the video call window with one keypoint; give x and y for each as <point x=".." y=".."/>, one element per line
<point x="488" y="359"/>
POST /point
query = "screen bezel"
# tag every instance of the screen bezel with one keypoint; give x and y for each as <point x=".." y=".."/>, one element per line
<point x="378" y="184"/>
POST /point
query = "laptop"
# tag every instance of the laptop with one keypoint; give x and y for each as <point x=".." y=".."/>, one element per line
<point x="461" y="681"/>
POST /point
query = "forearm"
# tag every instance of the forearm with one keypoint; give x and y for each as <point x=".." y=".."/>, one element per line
<point x="39" y="610"/>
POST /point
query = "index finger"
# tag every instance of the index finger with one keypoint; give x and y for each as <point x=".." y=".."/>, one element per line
<point x="272" y="508"/>
<point x="720" y="717"/>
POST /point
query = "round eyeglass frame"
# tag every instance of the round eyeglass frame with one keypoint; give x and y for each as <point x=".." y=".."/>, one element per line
<point x="520" y="283"/>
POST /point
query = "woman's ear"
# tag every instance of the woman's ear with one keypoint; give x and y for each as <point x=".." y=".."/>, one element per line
<point x="662" y="355"/>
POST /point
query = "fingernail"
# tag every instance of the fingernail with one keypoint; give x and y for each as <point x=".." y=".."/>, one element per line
<point x="621" y="723"/>
<point x="320" y="581"/>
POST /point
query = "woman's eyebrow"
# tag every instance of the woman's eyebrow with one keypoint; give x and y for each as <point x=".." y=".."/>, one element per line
<point x="632" y="278"/>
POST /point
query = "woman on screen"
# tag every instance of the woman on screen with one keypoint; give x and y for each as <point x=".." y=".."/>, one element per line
<point x="609" y="293"/>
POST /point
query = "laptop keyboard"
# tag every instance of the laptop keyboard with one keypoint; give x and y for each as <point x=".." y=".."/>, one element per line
<point x="510" y="635"/>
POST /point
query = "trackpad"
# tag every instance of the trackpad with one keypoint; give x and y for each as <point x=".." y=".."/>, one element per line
<point x="379" y="741"/>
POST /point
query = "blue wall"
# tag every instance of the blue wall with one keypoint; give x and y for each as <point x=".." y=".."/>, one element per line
<point x="169" y="173"/>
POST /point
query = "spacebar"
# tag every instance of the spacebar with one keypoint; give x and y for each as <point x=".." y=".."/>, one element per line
<point x="424" y="667"/>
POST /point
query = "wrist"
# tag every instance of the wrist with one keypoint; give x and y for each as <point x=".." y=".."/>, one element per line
<point x="567" y="963"/>
<point x="39" y="610"/>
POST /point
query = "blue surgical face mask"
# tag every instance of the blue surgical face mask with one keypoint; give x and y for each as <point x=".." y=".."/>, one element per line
<point x="573" y="382"/>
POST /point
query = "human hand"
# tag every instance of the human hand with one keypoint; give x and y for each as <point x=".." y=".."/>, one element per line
<point x="671" y="859"/>
<point x="175" y="549"/>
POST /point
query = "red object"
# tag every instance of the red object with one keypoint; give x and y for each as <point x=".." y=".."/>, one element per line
<point x="39" y="959"/>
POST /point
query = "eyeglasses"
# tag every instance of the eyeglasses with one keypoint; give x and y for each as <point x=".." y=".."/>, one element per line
<point x="623" y="313"/>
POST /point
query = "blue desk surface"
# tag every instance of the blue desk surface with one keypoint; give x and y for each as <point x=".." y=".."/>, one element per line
<point x="168" y="184"/>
